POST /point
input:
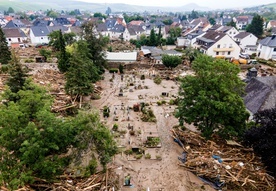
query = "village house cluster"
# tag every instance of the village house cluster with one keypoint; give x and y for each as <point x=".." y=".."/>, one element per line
<point x="218" y="40"/>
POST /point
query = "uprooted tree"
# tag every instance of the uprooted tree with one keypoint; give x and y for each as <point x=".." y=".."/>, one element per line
<point x="36" y="144"/>
<point x="262" y="137"/>
<point x="211" y="99"/>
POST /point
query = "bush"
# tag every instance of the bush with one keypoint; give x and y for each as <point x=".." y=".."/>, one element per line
<point x="157" y="80"/>
<point x="142" y="77"/>
<point x="113" y="70"/>
<point x="147" y="156"/>
<point x="159" y="103"/>
<point x="92" y="167"/>
<point x="128" y="152"/>
<point x="115" y="127"/>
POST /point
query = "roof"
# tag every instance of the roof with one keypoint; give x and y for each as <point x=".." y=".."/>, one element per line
<point x="269" y="41"/>
<point x="101" y="27"/>
<point x="56" y="28"/>
<point x="121" y="56"/>
<point x="40" y="31"/>
<point x="242" y="35"/>
<point x="260" y="94"/>
<point x="212" y="36"/>
<point x="118" y="28"/>
<point x="15" y="24"/>
<point x="224" y="28"/>
<point x="273" y="23"/>
<point x="13" y="33"/>
<point x="136" y="22"/>
<point x="76" y="30"/>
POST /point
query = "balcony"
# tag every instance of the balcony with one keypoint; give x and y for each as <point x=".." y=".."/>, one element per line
<point x="223" y="49"/>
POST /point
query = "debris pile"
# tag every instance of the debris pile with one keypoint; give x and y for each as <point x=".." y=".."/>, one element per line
<point x="224" y="164"/>
<point x="98" y="181"/>
<point x="54" y="81"/>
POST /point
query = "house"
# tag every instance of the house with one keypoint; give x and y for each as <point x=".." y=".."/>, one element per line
<point x="218" y="44"/>
<point x="117" y="32"/>
<point x="133" y="32"/>
<point x="76" y="30"/>
<point x="137" y="23"/>
<point x="224" y="21"/>
<point x="3" y="22"/>
<point x="260" y="94"/>
<point x="121" y="56"/>
<point x="189" y="40"/>
<point x="39" y="34"/>
<point x="15" y="23"/>
<point x="231" y="31"/>
<point x="15" y="37"/>
<point x="102" y="29"/>
<point x="267" y="48"/>
<point x="271" y="24"/>
<point x="244" y="39"/>
<point x="197" y="24"/>
<point x="243" y="21"/>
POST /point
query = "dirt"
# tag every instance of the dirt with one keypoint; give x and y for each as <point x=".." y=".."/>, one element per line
<point x="162" y="170"/>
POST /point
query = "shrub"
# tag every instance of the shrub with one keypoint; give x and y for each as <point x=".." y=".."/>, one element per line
<point x="128" y="152"/>
<point x="113" y="70"/>
<point x="115" y="127"/>
<point x="147" y="156"/>
<point x="157" y="80"/>
<point x="142" y="77"/>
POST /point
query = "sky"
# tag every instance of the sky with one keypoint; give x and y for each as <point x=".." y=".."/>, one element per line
<point x="214" y="4"/>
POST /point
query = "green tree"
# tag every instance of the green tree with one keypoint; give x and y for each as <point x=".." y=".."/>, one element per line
<point x="262" y="137"/>
<point x="212" y="21"/>
<point x="52" y="14"/>
<point x="99" y="15"/>
<point x="171" y="61"/>
<point x="108" y="11"/>
<point x="168" y="22"/>
<point x="211" y="99"/>
<point x="45" y="53"/>
<point x="232" y="24"/>
<point x="63" y="57"/>
<point x="256" y="26"/>
<point x="194" y="15"/>
<point x="54" y="39"/>
<point x="10" y="10"/>
<point x="5" y="54"/>
<point x="35" y="142"/>
<point x="16" y="81"/>
<point x="152" y="38"/>
<point x="82" y="72"/>
<point x="96" y="45"/>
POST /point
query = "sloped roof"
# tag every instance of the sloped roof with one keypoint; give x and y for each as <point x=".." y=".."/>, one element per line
<point x="224" y="28"/>
<point x="136" y="22"/>
<point x="118" y="28"/>
<point x="101" y="27"/>
<point x="260" y="94"/>
<point x="212" y="36"/>
<point x="269" y="41"/>
<point x="15" y="24"/>
<point x="76" y="30"/>
<point x="13" y="32"/>
<point x="56" y="28"/>
<point x="40" y="30"/>
<point x="242" y="35"/>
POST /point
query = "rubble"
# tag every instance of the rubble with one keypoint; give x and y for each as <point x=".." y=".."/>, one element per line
<point x="222" y="163"/>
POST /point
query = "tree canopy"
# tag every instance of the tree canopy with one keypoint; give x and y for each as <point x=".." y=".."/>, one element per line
<point x="96" y="45"/>
<point x="5" y="54"/>
<point x="262" y="137"/>
<point x="171" y="61"/>
<point x="211" y="99"/>
<point x="35" y="143"/>
<point x="256" y="26"/>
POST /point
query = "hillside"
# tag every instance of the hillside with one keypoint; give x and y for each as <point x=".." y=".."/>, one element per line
<point x="20" y="5"/>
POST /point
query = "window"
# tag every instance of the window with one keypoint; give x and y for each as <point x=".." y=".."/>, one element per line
<point x="230" y="46"/>
<point x="224" y="46"/>
<point x="217" y="53"/>
<point x="274" y="49"/>
<point x="9" y="39"/>
<point x="222" y="53"/>
<point x="229" y="53"/>
<point x="41" y="37"/>
<point x="218" y="46"/>
<point x="230" y="32"/>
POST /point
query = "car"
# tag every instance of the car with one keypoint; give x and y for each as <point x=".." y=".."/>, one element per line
<point x="245" y="56"/>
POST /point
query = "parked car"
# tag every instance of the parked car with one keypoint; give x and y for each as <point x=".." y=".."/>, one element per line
<point x="244" y="56"/>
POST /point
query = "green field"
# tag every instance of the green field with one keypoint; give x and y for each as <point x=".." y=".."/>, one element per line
<point x="22" y="6"/>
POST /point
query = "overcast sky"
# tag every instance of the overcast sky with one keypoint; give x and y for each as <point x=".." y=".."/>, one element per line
<point x="214" y="4"/>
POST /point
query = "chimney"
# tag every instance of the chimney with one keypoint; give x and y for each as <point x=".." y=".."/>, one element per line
<point x="252" y="73"/>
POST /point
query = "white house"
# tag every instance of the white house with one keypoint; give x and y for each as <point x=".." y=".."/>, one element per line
<point x="14" y="36"/>
<point x="218" y="44"/>
<point x="244" y="39"/>
<point x="271" y="24"/>
<point x="39" y="34"/>
<point x="267" y="48"/>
